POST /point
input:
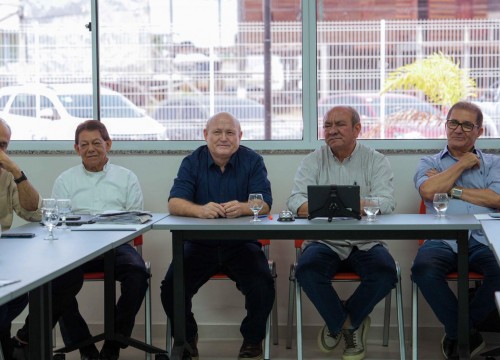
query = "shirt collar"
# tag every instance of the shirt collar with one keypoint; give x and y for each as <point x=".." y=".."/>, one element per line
<point x="104" y="169"/>
<point x="446" y="152"/>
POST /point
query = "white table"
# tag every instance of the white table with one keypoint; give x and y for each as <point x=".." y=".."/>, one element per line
<point x="388" y="227"/>
<point x="35" y="262"/>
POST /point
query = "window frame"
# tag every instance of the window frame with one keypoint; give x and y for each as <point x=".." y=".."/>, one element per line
<point x="309" y="110"/>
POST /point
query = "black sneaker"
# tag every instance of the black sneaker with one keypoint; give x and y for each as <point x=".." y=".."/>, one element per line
<point x="476" y="343"/>
<point x="21" y="350"/>
<point x="191" y="354"/>
<point x="250" y="351"/>
<point x="110" y="351"/>
<point x="89" y="352"/>
<point x="449" y="347"/>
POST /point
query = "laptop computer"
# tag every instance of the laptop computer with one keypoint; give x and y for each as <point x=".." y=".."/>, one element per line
<point x="333" y="201"/>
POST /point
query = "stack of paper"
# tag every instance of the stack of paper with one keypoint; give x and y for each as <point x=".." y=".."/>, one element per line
<point x="123" y="217"/>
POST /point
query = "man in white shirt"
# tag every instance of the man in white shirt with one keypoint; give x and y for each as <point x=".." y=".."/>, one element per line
<point x="95" y="186"/>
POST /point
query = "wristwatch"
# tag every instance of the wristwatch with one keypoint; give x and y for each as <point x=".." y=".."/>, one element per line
<point x="21" y="178"/>
<point x="456" y="193"/>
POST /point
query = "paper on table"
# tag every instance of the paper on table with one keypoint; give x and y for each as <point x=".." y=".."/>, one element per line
<point x="485" y="217"/>
<point x="4" y="282"/>
<point x="105" y="227"/>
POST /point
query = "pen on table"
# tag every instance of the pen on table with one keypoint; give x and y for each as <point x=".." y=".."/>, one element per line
<point x="266" y="216"/>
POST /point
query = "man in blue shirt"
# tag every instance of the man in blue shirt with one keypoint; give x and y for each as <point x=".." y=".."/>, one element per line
<point x="472" y="180"/>
<point x="214" y="182"/>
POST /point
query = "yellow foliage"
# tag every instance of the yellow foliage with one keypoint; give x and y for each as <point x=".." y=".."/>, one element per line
<point x="437" y="76"/>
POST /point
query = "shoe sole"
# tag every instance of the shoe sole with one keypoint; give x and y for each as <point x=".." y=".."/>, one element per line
<point x="364" y="337"/>
<point x="478" y="349"/>
<point x="322" y="345"/>
<point x="260" y="357"/>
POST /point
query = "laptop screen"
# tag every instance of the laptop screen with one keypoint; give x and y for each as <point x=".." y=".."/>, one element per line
<point x="332" y="201"/>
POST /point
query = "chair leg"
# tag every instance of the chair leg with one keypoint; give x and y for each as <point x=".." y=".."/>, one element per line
<point x="387" y="319"/>
<point x="291" y="303"/>
<point x="401" y="323"/>
<point x="299" y="319"/>
<point x="414" y="321"/>
<point x="147" y="313"/>
<point x="168" y="338"/>
<point x="274" y="311"/>
<point x="267" y="342"/>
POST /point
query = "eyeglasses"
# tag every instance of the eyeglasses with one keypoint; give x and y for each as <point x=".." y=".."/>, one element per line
<point x="466" y="125"/>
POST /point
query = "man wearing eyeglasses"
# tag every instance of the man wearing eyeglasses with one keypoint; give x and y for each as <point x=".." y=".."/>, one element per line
<point x="472" y="180"/>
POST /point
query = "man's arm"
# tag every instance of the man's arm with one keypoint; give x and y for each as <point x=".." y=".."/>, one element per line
<point x="445" y="180"/>
<point x="382" y="184"/>
<point x="182" y="207"/>
<point x="28" y="196"/>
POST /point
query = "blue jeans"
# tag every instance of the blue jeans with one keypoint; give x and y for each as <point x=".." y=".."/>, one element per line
<point x="434" y="260"/>
<point x="245" y="263"/>
<point x="318" y="263"/>
<point x="131" y="272"/>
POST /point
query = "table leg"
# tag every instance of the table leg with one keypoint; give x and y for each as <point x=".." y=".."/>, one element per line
<point x="109" y="295"/>
<point x="40" y="322"/>
<point x="179" y="305"/>
<point x="463" y="294"/>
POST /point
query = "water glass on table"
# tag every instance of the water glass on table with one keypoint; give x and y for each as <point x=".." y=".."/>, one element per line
<point x="50" y="217"/>
<point x="440" y="204"/>
<point x="256" y="203"/>
<point x="371" y="207"/>
<point x="64" y="207"/>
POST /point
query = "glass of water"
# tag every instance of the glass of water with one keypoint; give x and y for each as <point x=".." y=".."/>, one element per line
<point x="371" y="207"/>
<point x="64" y="207"/>
<point x="50" y="218"/>
<point x="440" y="203"/>
<point x="256" y="203"/>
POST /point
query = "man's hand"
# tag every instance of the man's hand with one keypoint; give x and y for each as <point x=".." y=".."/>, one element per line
<point x="211" y="210"/>
<point x="469" y="161"/>
<point x="234" y="209"/>
<point x="7" y="164"/>
<point x="431" y="172"/>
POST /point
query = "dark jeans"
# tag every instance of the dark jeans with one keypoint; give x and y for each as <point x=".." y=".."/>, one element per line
<point x="64" y="290"/>
<point x="131" y="272"/>
<point x="245" y="263"/>
<point x="318" y="263"/>
<point x="434" y="260"/>
<point x="9" y="312"/>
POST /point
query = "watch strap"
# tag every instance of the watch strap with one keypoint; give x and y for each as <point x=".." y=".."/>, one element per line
<point x="21" y="178"/>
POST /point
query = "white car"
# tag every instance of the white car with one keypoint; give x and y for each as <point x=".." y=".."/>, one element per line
<point x="52" y="112"/>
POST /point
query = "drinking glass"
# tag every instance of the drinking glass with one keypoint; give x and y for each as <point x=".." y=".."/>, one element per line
<point x="440" y="203"/>
<point x="50" y="218"/>
<point x="255" y="202"/>
<point x="49" y="203"/>
<point x="371" y="207"/>
<point x="64" y="207"/>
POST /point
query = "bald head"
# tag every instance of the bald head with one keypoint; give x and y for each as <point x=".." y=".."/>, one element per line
<point x="5" y="134"/>
<point x="223" y="116"/>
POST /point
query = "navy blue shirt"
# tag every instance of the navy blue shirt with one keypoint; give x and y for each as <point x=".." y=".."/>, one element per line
<point x="201" y="181"/>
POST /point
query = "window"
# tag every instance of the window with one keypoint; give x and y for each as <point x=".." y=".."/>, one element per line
<point x="171" y="77"/>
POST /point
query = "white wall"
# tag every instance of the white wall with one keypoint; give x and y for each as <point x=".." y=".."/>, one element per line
<point x="219" y="302"/>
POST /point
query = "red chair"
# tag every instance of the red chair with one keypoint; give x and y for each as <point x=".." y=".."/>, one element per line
<point x="99" y="276"/>
<point x="294" y="293"/>
<point x="273" y="317"/>
<point x="473" y="276"/>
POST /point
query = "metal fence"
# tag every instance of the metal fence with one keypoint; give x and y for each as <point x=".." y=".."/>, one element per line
<point x="180" y="85"/>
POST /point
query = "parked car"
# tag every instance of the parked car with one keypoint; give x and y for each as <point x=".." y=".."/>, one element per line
<point x="52" y="112"/>
<point x="185" y="117"/>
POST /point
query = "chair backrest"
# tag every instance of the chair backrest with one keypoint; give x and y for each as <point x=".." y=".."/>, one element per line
<point x="265" y="246"/>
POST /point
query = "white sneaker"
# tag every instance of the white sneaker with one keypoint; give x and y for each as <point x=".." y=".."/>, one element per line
<point x="355" y="341"/>
<point x="326" y="341"/>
